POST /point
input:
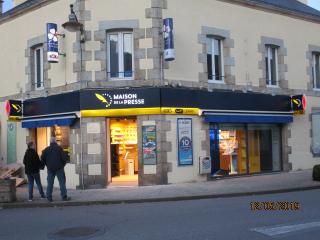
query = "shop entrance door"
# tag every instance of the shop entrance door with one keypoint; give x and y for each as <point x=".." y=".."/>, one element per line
<point x="123" y="152"/>
<point x="266" y="150"/>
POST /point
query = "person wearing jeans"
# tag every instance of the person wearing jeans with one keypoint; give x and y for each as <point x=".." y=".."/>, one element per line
<point x="32" y="169"/>
<point x="62" y="183"/>
<point x="55" y="159"/>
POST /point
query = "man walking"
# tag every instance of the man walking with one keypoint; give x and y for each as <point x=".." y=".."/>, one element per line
<point x="55" y="160"/>
<point x="32" y="165"/>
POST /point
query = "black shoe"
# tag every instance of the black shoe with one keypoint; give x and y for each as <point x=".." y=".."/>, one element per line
<point x="66" y="198"/>
<point x="49" y="199"/>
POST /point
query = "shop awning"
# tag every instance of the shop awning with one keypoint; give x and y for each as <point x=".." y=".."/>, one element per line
<point x="64" y="120"/>
<point x="247" y="118"/>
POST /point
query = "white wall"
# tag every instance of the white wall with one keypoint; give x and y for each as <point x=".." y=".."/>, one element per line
<point x="300" y="141"/>
<point x="246" y="26"/>
<point x="72" y="179"/>
<point x="181" y="174"/>
<point x="15" y="34"/>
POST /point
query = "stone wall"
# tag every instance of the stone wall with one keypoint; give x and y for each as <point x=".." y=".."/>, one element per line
<point x="89" y="152"/>
<point x="155" y="174"/>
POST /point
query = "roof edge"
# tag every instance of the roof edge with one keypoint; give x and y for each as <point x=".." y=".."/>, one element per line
<point x="275" y="9"/>
<point x="30" y="5"/>
<point x="22" y="9"/>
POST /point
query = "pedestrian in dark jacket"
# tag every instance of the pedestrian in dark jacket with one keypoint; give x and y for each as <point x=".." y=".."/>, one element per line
<point x="55" y="159"/>
<point x="32" y="169"/>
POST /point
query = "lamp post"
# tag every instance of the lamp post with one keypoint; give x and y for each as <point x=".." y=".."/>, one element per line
<point x="73" y="25"/>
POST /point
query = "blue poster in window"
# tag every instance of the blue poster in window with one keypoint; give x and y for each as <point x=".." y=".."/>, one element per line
<point x="185" y="149"/>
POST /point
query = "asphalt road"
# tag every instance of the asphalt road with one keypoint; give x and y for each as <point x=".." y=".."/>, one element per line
<point x="225" y="218"/>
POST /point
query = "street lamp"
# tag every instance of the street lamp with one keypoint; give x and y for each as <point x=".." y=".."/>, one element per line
<point x="73" y="25"/>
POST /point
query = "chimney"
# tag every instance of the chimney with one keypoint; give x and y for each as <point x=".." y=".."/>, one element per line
<point x="1" y="7"/>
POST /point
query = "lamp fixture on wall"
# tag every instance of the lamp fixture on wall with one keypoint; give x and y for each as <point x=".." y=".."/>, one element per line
<point x="73" y="25"/>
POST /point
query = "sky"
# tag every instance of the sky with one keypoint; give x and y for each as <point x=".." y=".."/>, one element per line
<point x="312" y="3"/>
<point x="7" y="5"/>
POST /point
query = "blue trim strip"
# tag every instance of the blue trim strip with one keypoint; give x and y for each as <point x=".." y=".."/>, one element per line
<point x="248" y="119"/>
<point x="48" y="123"/>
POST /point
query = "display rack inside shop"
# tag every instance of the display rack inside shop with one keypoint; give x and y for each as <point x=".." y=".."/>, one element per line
<point x="124" y="139"/>
<point x="124" y="135"/>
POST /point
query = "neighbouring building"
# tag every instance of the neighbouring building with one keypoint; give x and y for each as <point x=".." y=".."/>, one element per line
<point x="223" y="105"/>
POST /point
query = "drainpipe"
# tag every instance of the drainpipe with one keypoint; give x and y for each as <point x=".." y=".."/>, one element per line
<point x="1" y="7"/>
<point x="81" y="154"/>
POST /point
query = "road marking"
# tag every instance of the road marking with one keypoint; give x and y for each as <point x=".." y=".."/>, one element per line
<point x="283" y="229"/>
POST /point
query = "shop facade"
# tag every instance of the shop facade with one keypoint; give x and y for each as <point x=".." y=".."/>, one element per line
<point x="221" y="107"/>
<point x="150" y="136"/>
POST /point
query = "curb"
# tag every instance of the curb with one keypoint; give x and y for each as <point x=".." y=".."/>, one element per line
<point x="150" y="200"/>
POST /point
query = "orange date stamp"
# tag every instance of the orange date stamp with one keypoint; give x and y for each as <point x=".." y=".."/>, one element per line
<point x="274" y="206"/>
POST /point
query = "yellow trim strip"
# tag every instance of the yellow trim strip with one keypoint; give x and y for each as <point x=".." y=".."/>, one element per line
<point x="139" y="111"/>
<point x="14" y="119"/>
<point x="120" y="112"/>
<point x="299" y="112"/>
<point x="180" y="111"/>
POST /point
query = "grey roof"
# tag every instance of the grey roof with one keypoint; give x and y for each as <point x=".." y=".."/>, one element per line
<point x="290" y="5"/>
<point x="21" y="8"/>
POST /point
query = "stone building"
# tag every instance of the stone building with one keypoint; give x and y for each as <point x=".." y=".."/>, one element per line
<point x="124" y="115"/>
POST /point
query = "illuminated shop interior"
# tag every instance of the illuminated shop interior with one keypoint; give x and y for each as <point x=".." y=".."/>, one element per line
<point x="43" y="136"/>
<point x="245" y="149"/>
<point x="124" y="151"/>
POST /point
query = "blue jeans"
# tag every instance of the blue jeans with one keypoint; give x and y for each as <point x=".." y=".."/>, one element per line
<point x="34" y="178"/>
<point x="62" y="183"/>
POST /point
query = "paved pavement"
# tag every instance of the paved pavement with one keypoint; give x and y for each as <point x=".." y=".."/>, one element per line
<point x="227" y="187"/>
<point x="206" y="219"/>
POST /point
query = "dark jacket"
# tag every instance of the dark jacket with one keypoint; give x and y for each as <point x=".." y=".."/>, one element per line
<point x="31" y="161"/>
<point x="54" y="157"/>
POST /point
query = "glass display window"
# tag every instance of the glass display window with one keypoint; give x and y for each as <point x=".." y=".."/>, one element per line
<point x="232" y="149"/>
<point x="238" y="149"/>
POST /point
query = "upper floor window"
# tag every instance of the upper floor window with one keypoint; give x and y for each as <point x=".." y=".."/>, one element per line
<point x="120" y="55"/>
<point x="316" y="70"/>
<point x="215" y="59"/>
<point x="38" y="67"/>
<point x="271" y="61"/>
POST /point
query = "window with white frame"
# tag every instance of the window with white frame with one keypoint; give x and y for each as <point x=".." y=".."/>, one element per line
<point x="120" y="55"/>
<point x="38" y="67"/>
<point x="215" y="59"/>
<point x="271" y="61"/>
<point x="316" y="133"/>
<point x="316" y="70"/>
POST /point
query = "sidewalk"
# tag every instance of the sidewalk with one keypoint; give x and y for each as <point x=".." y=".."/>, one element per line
<point x="230" y="187"/>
